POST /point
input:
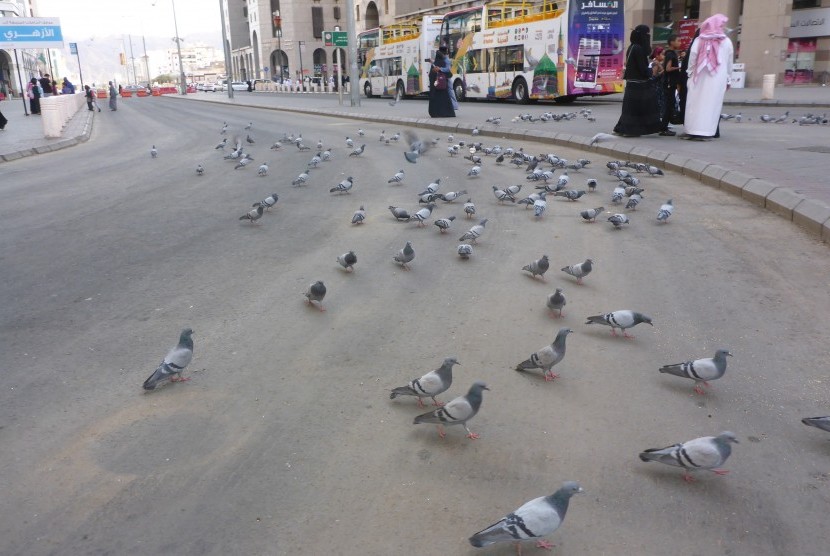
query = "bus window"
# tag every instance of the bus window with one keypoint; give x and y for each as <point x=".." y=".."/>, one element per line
<point x="474" y="62"/>
<point x="395" y="66"/>
<point x="510" y="58"/>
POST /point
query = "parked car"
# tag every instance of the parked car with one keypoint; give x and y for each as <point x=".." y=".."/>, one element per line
<point x="239" y="86"/>
<point x="209" y="87"/>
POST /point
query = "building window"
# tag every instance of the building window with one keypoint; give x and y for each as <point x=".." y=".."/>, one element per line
<point x="662" y="11"/>
<point x="357" y="13"/>
<point x="317" y="21"/>
<point x="692" y="9"/>
<point x="386" y="6"/>
<point x="803" y="4"/>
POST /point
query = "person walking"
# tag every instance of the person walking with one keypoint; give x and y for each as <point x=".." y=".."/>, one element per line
<point x="448" y="71"/>
<point x="710" y="68"/>
<point x="440" y="105"/>
<point x="33" y="91"/>
<point x="46" y="85"/>
<point x="640" y="114"/>
<point x="671" y="80"/>
<point x="113" y="97"/>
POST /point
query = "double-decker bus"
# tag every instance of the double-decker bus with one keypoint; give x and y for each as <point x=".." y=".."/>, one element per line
<point x="393" y="57"/>
<point x="536" y="50"/>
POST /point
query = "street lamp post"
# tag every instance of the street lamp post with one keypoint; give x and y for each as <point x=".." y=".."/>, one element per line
<point x="178" y="40"/>
<point x="226" y="49"/>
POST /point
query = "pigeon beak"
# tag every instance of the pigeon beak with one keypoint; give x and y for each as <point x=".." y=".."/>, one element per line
<point x="729" y="354"/>
<point x="580" y="491"/>
<point x="484" y="388"/>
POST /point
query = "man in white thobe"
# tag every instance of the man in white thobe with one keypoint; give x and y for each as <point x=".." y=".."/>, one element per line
<point x="710" y="68"/>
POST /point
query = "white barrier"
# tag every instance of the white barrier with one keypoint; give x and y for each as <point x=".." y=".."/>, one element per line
<point x="57" y="110"/>
<point x="768" y="87"/>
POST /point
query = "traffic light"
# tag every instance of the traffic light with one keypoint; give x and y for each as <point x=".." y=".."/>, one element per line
<point x="123" y="58"/>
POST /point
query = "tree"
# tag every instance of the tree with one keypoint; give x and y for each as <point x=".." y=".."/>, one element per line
<point x="164" y="78"/>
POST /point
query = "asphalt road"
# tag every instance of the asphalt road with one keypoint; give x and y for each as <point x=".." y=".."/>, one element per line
<point x="285" y="440"/>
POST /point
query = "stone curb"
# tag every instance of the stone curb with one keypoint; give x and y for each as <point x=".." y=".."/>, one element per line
<point x="63" y="143"/>
<point x="812" y="215"/>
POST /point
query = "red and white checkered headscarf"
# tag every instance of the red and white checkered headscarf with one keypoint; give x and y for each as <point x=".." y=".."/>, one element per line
<point x="712" y="33"/>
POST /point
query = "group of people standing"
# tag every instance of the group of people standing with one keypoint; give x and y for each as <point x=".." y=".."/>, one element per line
<point x="45" y="87"/>
<point x="655" y="77"/>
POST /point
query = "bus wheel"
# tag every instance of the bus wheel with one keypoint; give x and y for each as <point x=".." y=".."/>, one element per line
<point x="367" y="89"/>
<point x="520" y="91"/>
<point x="399" y="90"/>
<point x="460" y="91"/>
<point x="565" y="99"/>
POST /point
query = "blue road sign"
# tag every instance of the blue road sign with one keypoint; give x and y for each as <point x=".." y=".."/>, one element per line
<point x="30" y="32"/>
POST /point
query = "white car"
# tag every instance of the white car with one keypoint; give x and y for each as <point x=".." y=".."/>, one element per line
<point x="239" y="86"/>
<point x="209" y="87"/>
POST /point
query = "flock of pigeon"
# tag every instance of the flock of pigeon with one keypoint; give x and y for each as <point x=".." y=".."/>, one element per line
<point x="541" y="516"/>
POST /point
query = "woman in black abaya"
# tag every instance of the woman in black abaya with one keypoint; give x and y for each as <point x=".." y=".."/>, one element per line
<point x="440" y="105"/>
<point x="640" y="115"/>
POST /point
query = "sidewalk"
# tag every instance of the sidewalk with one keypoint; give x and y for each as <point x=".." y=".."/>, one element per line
<point x="782" y="167"/>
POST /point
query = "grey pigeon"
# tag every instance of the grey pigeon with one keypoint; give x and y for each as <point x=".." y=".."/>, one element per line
<point x="430" y="385"/>
<point x="465" y="250"/>
<point x="432" y="187"/>
<point x="570" y="194"/>
<point x="263" y="169"/>
<point x="451" y="196"/>
<point x="556" y="302"/>
<point x="592" y="184"/>
<point x="221" y="145"/>
<point x="633" y="201"/>
<point x="249" y="139"/>
<point x="316" y="292"/>
<point x="343" y="187"/>
<point x="591" y="214"/>
<point x="399" y="213"/>
<point x="537" y="518"/>
<point x="502" y="195"/>
<point x="174" y="362"/>
<point x="249" y="126"/>
<point x="422" y="215"/>
<point x="444" y="223"/>
<point x="348" y="260"/>
<point x="618" y="194"/>
<point x="621" y="319"/>
<point x="579" y="271"/>
<point x="358" y="151"/>
<point x="254" y="214"/>
<point x="398" y="177"/>
<point x="538" y="267"/>
<point x="618" y="220"/>
<point x="456" y="412"/>
<point x="601" y="137"/>
<point x="707" y="452"/>
<point x="474" y="172"/>
<point x="547" y="357"/>
<point x="475" y="232"/>
<point x="469" y="208"/>
<point x="539" y="206"/>
<point x="700" y="370"/>
<point x="268" y="201"/>
<point x="301" y="179"/>
<point x="822" y="423"/>
<point x="349" y="142"/>
<point x="243" y="162"/>
<point x="417" y="148"/>
<point x="200" y="170"/>
<point x="153" y="152"/>
<point x="359" y="216"/>
<point x="653" y="170"/>
<point x="665" y="211"/>
<point x="405" y="256"/>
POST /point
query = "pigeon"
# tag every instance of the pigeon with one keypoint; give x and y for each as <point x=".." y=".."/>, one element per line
<point x="700" y="370"/>
<point x="359" y="216"/>
<point x="276" y="146"/>
<point x="263" y="169"/>
<point x="822" y="423"/>
<point x="547" y="357"/>
<point x="600" y="137"/>
<point x="513" y="190"/>
<point x="417" y="148"/>
<point x="242" y="163"/>
<point x="342" y="187"/>
<point x="620" y="319"/>
<point x="316" y="292"/>
<point x="433" y="187"/>
<point x="200" y="171"/>
<point x="707" y="452"/>
<point x="268" y="201"/>
<point x="174" y="362"/>
<point x="537" y="518"/>
<point x="153" y="152"/>
<point x="665" y="211"/>
<point x="465" y="250"/>
<point x="405" y="256"/>
<point x="422" y="215"/>
<point x="451" y="196"/>
<point x="361" y="132"/>
<point x="221" y="145"/>
<point x="349" y="142"/>
<point x="348" y="260"/>
<point x="315" y="160"/>
<point x="592" y="184"/>
<point x="579" y="271"/>
<point x="301" y="179"/>
<point x="475" y="131"/>
<point x="502" y="195"/>
<point x="399" y="213"/>
<point x="618" y="194"/>
<point x="249" y="139"/>
<point x="618" y="220"/>
<point x="456" y="412"/>
<point x="444" y="223"/>
<point x="474" y="172"/>
<point x="428" y="198"/>
<point x="224" y="128"/>
<point x="358" y="151"/>
<point x="591" y="214"/>
<point x="469" y="208"/>
<point x="539" y="206"/>
<point x="253" y="215"/>
<point x="538" y="267"/>
<point x="396" y="136"/>
<point x="382" y="137"/>
<point x="397" y="178"/>
<point x="633" y="201"/>
<point x="249" y="126"/>
<point x="556" y="302"/>
<point x="430" y="385"/>
<point x="570" y="194"/>
<point x="325" y="155"/>
<point x="653" y="170"/>
<point x="475" y="232"/>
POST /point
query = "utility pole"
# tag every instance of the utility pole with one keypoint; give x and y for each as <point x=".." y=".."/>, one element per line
<point x="226" y="48"/>
<point x="146" y="60"/>
<point x="132" y="59"/>
<point x="182" y="78"/>
<point x="354" y="76"/>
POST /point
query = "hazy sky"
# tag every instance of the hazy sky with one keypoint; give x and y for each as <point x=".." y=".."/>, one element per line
<point x="83" y="19"/>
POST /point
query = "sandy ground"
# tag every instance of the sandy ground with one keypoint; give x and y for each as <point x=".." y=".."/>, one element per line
<point x="285" y="441"/>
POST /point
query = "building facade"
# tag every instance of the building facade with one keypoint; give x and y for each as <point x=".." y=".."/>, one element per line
<point x="787" y="38"/>
<point x="29" y="62"/>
